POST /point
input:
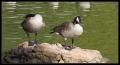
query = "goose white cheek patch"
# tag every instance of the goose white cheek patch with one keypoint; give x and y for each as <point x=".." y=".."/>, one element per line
<point x="77" y="19"/>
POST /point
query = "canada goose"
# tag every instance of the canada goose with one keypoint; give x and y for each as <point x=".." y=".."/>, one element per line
<point x="69" y="30"/>
<point x="32" y="24"/>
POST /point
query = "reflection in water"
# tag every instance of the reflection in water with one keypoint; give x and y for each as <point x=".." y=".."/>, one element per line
<point x="12" y="6"/>
<point x="11" y="3"/>
<point x="85" y="6"/>
<point x="55" y="5"/>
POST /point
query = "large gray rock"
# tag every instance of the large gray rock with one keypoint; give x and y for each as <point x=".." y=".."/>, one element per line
<point x="51" y="53"/>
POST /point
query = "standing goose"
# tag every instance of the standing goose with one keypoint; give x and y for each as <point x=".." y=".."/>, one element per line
<point x="69" y="30"/>
<point x="32" y="23"/>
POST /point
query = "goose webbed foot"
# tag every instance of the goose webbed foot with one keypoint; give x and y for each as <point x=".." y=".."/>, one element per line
<point x="30" y="43"/>
<point x="66" y="47"/>
<point x="36" y="42"/>
<point x="72" y="47"/>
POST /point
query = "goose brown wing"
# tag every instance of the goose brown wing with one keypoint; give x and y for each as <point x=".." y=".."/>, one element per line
<point x="62" y="27"/>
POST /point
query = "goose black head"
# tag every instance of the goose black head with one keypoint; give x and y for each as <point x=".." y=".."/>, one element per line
<point x="77" y="20"/>
<point x="30" y="15"/>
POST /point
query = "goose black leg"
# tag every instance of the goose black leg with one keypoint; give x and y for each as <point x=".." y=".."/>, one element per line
<point x="65" y="39"/>
<point x="35" y="41"/>
<point x="30" y="43"/>
<point x="72" y="44"/>
<point x="66" y="46"/>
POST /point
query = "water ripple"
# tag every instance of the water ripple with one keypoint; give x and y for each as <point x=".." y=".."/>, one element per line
<point x="63" y="14"/>
<point x="68" y="11"/>
<point x="47" y="36"/>
<point x="10" y="8"/>
<point x="12" y="17"/>
<point x="11" y="11"/>
<point x="26" y="8"/>
<point x="12" y="38"/>
<point x="38" y="7"/>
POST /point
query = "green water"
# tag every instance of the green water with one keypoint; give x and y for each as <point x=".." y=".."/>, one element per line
<point x="100" y="25"/>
